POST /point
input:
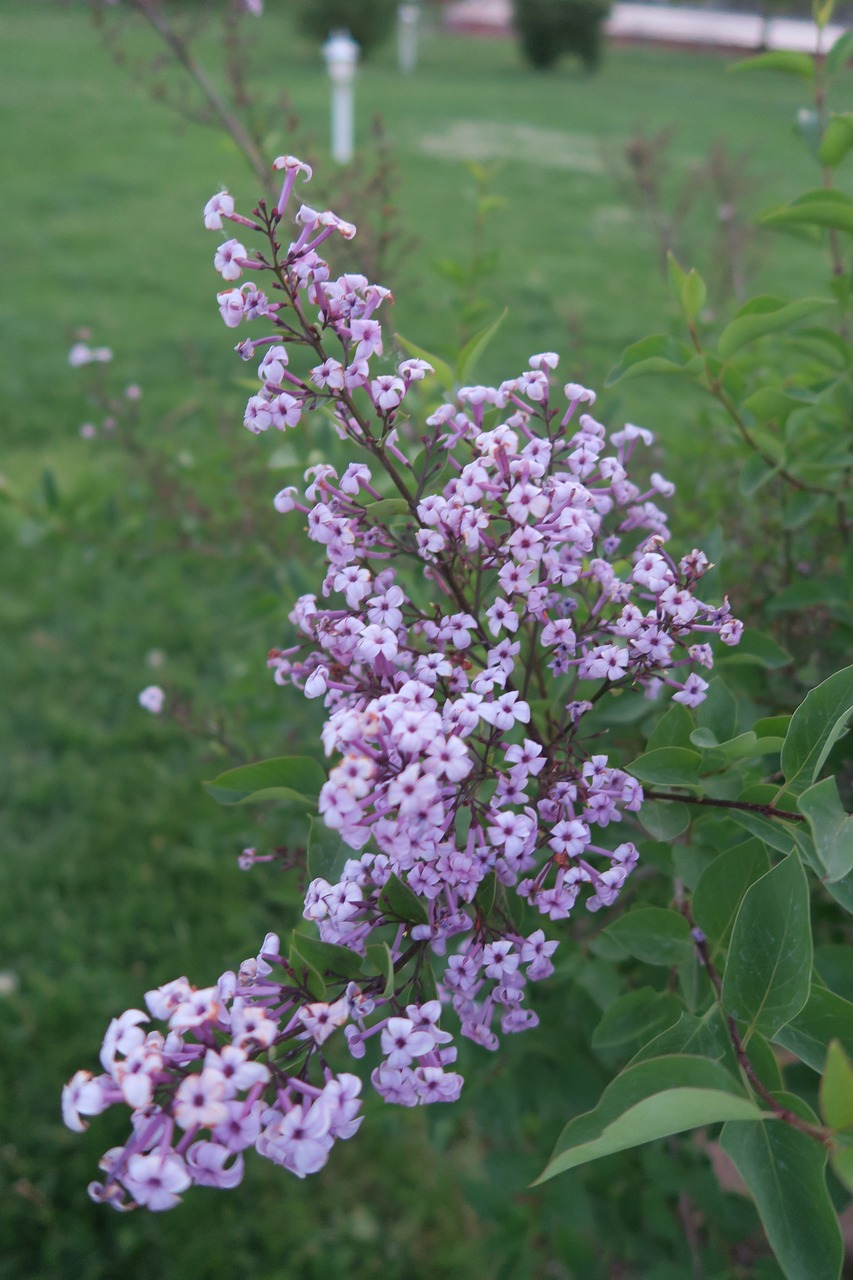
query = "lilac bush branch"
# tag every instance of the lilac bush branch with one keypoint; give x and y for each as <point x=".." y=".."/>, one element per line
<point x="538" y="565"/>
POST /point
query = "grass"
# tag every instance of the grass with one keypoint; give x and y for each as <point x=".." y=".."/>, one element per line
<point x="118" y="872"/>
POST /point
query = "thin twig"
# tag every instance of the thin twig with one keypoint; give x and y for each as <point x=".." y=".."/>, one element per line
<point x="768" y="810"/>
<point x="783" y="1113"/>
<point x="182" y="53"/>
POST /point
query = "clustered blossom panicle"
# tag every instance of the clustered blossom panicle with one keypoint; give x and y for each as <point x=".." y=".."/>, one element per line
<point x="207" y="1087"/>
<point x="460" y="637"/>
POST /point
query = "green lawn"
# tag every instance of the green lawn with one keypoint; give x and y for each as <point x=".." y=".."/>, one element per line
<point x="118" y="872"/>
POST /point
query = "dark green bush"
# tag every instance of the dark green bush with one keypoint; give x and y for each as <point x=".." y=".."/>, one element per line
<point x="368" y="21"/>
<point x="549" y="28"/>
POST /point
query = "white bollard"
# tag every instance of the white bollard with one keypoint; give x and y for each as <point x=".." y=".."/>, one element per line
<point x="341" y="54"/>
<point x="407" y="36"/>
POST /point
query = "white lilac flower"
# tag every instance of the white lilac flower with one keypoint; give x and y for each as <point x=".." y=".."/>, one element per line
<point x="152" y="699"/>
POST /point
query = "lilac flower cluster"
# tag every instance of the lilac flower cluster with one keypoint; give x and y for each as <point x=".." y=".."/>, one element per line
<point x="210" y="1086"/>
<point x="466" y="631"/>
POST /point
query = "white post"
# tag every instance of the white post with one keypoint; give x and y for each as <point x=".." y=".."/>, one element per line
<point x="407" y="36"/>
<point x="341" y="54"/>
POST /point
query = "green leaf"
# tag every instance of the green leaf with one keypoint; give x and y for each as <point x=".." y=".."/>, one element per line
<point x="596" y="975"/>
<point x="704" y="1037"/>
<point x="816" y="725"/>
<point x="828" y="592"/>
<point x="657" y="854"/>
<point x="719" y="712"/>
<point x="772" y="726"/>
<point x="327" y="852"/>
<point x="379" y="955"/>
<point x="756" y="649"/>
<point x="664" y="819"/>
<point x="767" y="977"/>
<point x="784" y="60"/>
<point x="836" y="1089"/>
<point x="657" y="354"/>
<point x="765" y="315"/>
<point x="775" y="404"/>
<point x="387" y="510"/>
<point x="721" y="888"/>
<point x="471" y="352"/>
<point x="695" y="293"/>
<point x="484" y="898"/>
<point x="677" y="276"/>
<point x="673" y="729"/>
<point x="807" y="124"/>
<point x="825" y="1016"/>
<point x="427" y="465"/>
<point x="754" y="474"/>
<point x="840" y="53"/>
<point x="654" y="935"/>
<point x="822" y="11"/>
<point x="819" y="208"/>
<point x="401" y="903"/>
<point x="688" y="287"/>
<point x="295" y="778"/>
<point x="746" y="746"/>
<point x="305" y="971"/>
<point x="827" y="346"/>
<point x="837" y="140"/>
<point x="783" y="837"/>
<point x="649" y="1100"/>
<point x="636" y="1017"/>
<point x="841" y="1159"/>
<point x="667" y="766"/>
<point x="424" y="984"/>
<point x="763" y="1062"/>
<point x="831" y="828"/>
<point x="833" y="963"/>
<point x="784" y="1171"/>
<point x="327" y="957"/>
<point x="443" y="371"/>
<point x="50" y="489"/>
<point x="801" y="509"/>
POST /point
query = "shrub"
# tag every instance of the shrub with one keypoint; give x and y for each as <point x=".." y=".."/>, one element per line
<point x="369" y="22"/>
<point x="549" y="28"/>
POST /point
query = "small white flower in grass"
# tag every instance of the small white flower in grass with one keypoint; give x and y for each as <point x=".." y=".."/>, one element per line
<point x="81" y="354"/>
<point x="152" y="699"/>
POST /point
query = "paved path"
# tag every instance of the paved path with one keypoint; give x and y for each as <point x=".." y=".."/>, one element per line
<point x="665" y="24"/>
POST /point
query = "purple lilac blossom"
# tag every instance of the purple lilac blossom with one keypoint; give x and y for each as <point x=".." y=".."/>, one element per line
<point x="458" y="640"/>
